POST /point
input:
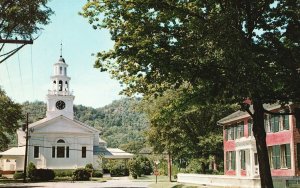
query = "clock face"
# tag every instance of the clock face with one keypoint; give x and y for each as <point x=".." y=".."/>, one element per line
<point x="60" y="105"/>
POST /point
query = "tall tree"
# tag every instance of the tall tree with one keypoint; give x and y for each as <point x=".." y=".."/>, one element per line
<point x="183" y="128"/>
<point x="21" y="19"/>
<point x="10" y="114"/>
<point x="228" y="50"/>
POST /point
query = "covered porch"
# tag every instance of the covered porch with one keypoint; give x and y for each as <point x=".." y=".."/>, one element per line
<point x="12" y="160"/>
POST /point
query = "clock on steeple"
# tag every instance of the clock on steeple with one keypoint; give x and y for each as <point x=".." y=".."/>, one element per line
<point x="60" y="98"/>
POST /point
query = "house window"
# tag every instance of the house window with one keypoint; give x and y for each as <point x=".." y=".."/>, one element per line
<point x="60" y="151"/>
<point x="83" y="152"/>
<point x="280" y="156"/>
<point x="284" y="122"/>
<point x="230" y="131"/>
<point x="270" y="155"/>
<point x="250" y="125"/>
<point x="53" y="151"/>
<point x="285" y="156"/>
<point x="230" y="160"/>
<point x="36" y="151"/>
<point x="255" y="159"/>
<point x="298" y="155"/>
<point x="274" y="121"/>
<point x="240" y="130"/>
<point x="243" y="159"/>
<point x="267" y="123"/>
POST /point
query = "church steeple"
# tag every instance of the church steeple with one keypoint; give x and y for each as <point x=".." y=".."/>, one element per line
<point x="60" y="98"/>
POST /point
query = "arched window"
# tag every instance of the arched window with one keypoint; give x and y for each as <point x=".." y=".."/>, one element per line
<point x="61" y="141"/>
<point x="61" y="150"/>
<point x="60" y="85"/>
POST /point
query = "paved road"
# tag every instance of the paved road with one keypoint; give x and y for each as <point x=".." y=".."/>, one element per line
<point x="117" y="183"/>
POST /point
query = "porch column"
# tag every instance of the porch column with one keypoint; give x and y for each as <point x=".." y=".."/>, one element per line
<point x="252" y="165"/>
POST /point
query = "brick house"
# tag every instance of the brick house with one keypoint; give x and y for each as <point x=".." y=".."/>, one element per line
<point x="283" y="142"/>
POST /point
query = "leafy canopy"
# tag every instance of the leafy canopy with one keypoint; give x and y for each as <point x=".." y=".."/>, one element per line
<point x="10" y="114"/>
<point x="228" y="50"/>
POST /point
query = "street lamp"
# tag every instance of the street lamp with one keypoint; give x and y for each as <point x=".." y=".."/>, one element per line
<point x="156" y="162"/>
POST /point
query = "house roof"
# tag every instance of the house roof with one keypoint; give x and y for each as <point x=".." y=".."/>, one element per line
<point x="47" y="120"/>
<point x="241" y="114"/>
<point x="112" y="153"/>
<point x="15" y="151"/>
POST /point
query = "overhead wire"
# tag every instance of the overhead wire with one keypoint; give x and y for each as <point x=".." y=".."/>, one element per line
<point x="32" y="80"/>
<point x="20" y="73"/>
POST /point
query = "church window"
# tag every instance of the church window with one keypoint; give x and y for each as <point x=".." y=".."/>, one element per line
<point x="36" y="151"/>
<point x="67" y="152"/>
<point x="60" y="152"/>
<point x="60" y="85"/>
<point x="61" y="141"/>
<point x="60" y="70"/>
<point x="83" y="152"/>
<point x="65" y="71"/>
<point x="54" y="82"/>
<point x="53" y="151"/>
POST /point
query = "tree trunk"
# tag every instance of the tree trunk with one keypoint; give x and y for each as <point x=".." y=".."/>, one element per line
<point x="261" y="146"/>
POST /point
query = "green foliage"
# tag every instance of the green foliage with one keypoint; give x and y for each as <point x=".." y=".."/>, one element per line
<point x="120" y="122"/>
<point x="146" y="166"/>
<point x="30" y="171"/>
<point x="81" y="174"/>
<point x="97" y="174"/>
<point x="195" y="166"/>
<point x="116" y="167"/>
<point x="89" y="167"/>
<point x="135" y="168"/>
<point x="40" y="174"/>
<point x="10" y="115"/>
<point x="18" y="175"/>
<point x="63" y="173"/>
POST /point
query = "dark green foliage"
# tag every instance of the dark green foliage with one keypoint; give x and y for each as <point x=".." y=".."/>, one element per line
<point x="116" y="167"/>
<point x="10" y="115"/>
<point x="81" y="174"/>
<point x="146" y="166"/>
<point x="89" y="167"/>
<point x="30" y="171"/>
<point x="40" y="174"/>
<point x="97" y="174"/>
<point x="63" y="173"/>
<point x="18" y="175"/>
<point x="121" y="122"/>
<point x="135" y="168"/>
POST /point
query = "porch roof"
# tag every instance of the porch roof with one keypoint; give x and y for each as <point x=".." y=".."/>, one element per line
<point x="15" y="151"/>
<point x="112" y="153"/>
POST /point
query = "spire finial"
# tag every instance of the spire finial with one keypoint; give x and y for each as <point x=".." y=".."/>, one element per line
<point x="60" y="49"/>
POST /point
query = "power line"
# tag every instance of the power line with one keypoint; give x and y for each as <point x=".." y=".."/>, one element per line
<point x="32" y="83"/>
<point x="20" y="73"/>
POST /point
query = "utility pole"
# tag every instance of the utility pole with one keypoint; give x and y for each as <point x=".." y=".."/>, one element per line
<point x="170" y="166"/>
<point x="26" y="148"/>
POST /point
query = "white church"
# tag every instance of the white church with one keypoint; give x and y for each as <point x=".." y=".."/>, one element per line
<point x="59" y="141"/>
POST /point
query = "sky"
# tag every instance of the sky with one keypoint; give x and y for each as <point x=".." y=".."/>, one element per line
<point x="26" y="75"/>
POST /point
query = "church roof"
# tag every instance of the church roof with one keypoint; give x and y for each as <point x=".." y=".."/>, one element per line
<point x="45" y="120"/>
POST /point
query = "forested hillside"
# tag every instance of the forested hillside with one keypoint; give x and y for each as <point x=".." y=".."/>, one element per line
<point x="121" y="124"/>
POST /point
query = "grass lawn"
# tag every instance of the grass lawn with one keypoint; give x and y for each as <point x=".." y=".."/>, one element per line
<point x="152" y="178"/>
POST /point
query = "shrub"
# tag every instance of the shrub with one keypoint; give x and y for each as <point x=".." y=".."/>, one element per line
<point x="146" y="167"/>
<point x="31" y="168"/>
<point x="63" y="173"/>
<point x="97" y="174"/>
<point x="135" y="167"/>
<point x="18" y="175"/>
<point x="81" y="174"/>
<point x="42" y="175"/>
<point x="117" y="168"/>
